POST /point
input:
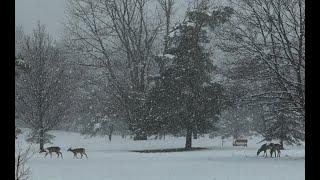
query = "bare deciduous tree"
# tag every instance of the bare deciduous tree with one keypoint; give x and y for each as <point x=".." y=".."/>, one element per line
<point x="266" y="38"/>
<point x="42" y="93"/>
<point x="167" y="7"/>
<point x="118" y="36"/>
<point x="271" y="33"/>
<point x="22" y="156"/>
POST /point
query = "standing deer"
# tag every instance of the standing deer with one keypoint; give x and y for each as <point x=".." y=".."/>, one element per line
<point x="49" y="150"/>
<point x="275" y="148"/>
<point x="81" y="151"/>
<point x="263" y="148"/>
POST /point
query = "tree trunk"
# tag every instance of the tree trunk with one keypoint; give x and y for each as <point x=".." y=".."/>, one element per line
<point x="41" y="139"/>
<point x="110" y="132"/>
<point x="166" y="38"/>
<point x="281" y="145"/>
<point x="189" y="138"/>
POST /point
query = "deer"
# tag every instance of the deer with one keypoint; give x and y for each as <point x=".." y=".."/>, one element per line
<point x="263" y="148"/>
<point x="81" y="151"/>
<point x="275" y="148"/>
<point x="49" y="150"/>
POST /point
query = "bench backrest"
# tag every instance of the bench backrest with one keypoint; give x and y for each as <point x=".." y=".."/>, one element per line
<point x="241" y="140"/>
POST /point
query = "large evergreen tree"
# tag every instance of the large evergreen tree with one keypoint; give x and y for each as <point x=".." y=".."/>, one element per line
<point x="185" y="100"/>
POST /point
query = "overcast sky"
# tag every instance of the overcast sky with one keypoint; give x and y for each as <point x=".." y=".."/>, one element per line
<point x="48" y="12"/>
<point x="51" y="13"/>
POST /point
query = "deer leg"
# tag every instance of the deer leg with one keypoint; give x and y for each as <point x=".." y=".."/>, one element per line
<point x="46" y="154"/>
<point x="274" y="152"/>
<point x="85" y="154"/>
<point x="61" y="155"/>
<point x="57" y="154"/>
<point x="50" y="154"/>
<point x="81" y="155"/>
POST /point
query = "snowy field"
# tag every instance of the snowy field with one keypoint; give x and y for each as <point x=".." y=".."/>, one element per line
<point x="114" y="161"/>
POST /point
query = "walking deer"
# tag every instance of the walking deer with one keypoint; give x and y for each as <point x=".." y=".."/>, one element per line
<point x="81" y="151"/>
<point x="50" y="150"/>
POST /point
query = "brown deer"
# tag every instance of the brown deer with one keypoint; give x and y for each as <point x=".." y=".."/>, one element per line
<point x="275" y="148"/>
<point x="263" y="148"/>
<point x="49" y="150"/>
<point x="81" y="151"/>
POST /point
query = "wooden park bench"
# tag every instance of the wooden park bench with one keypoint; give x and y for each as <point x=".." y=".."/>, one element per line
<point x="240" y="142"/>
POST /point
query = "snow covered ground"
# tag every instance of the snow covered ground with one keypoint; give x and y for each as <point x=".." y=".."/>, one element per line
<point x="114" y="161"/>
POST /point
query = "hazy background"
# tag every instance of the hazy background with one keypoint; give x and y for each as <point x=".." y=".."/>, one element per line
<point x="52" y="14"/>
<point x="48" y="12"/>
